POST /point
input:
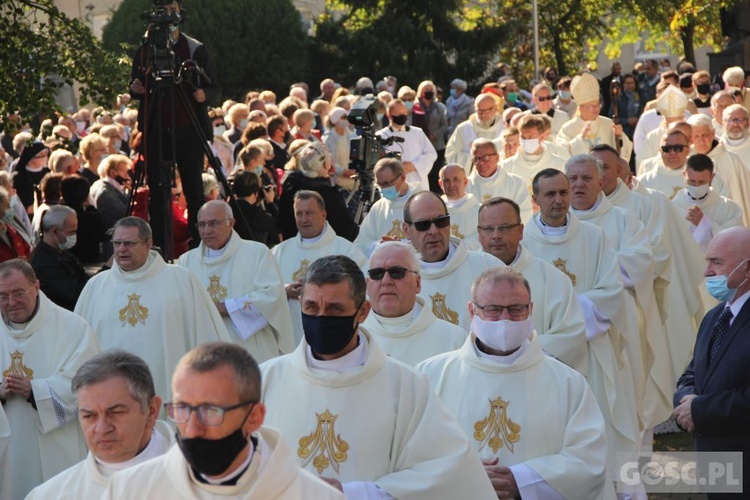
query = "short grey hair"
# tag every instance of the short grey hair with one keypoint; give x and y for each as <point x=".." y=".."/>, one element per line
<point x="731" y="109"/>
<point x="584" y="158"/>
<point x="19" y="265"/>
<point x="213" y="355"/>
<point x="700" y="120"/>
<point x="117" y="363"/>
<point x="459" y="84"/>
<point x="306" y="194"/>
<point x="481" y="142"/>
<point x="334" y="269"/>
<point x="391" y="163"/>
<point x="214" y="203"/>
<point x="499" y="275"/>
<point x="55" y="216"/>
<point x="144" y="230"/>
<point x="412" y="257"/>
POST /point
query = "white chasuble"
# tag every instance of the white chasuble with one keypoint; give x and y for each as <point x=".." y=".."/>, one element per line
<point x="557" y="315"/>
<point x="88" y="479"/>
<point x="464" y="220"/>
<point x="247" y="272"/>
<point x="735" y="175"/>
<point x="295" y="255"/>
<point x="501" y="183"/>
<point x="527" y="166"/>
<point x="385" y="218"/>
<point x="447" y="289"/>
<point x="458" y="148"/>
<point x="647" y="348"/>
<point x="585" y="255"/>
<point x="48" y="350"/>
<point x="556" y="429"/>
<point x="380" y="422"/>
<point x="158" y="312"/>
<point x="719" y="213"/>
<point x="602" y="132"/>
<point x="670" y="181"/>
<point x="272" y="475"/>
<point x="423" y="337"/>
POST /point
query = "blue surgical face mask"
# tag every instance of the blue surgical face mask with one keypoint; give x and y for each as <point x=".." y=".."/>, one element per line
<point x="453" y="92"/>
<point x="380" y="116"/>
<point x="8" y="216"/>
<point x="718" y="286"/>
<point x="565" y="94"/>
<point x="409" y="105"/>
<point x="258" y="170"/>
<point x="389" y="193"/>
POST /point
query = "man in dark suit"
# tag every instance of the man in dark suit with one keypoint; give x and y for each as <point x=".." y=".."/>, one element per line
<point x="605" y="85"/>
<point x="713" y="395"/>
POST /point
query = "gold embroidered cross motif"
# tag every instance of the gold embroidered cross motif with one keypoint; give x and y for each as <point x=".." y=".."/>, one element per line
<point x="17" y="367"/>
<point x="217" y="292"/>
<point x="300" y="273"/>
<point x="561" y="264"/>
<point x="497" y="429"/>
<point x="331" y="449"/>
<point x="441" y="310"/>
<point x="455" y="232"/>
<point x="675" y="190"/>
<point x="134" y="312"/>
<point x="397" y="231"/>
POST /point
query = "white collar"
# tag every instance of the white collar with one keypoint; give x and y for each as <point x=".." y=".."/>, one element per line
<point x="348" y="362"/>
<point x="153" y="449"/>
<point x="503" y="360"/>
<point x="736" y="306"/>
<point x="456" y="203"/>
<point x="216" y="253"/>
<point x="316" y="238"/>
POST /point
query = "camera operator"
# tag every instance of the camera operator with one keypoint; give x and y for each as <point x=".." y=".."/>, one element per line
<point x="198" y="87"/>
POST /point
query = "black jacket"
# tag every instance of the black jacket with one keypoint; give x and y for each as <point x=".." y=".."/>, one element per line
<point x="61" y="275"/>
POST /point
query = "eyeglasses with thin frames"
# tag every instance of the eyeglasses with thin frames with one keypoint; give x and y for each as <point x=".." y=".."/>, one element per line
<point x="495" y="311"/>
<point x="5" y="297"/>
<point x="125" y="243"/>
<point x="504" y="229"/>
<point x="210" y="224"/>
<point x="423" y="225"/>
<point x="483" y="158"/>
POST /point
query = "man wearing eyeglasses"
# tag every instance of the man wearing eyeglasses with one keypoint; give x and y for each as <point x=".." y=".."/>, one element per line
<point x="244" y="283"/>
<point x="117" y="411"/>
<point x="644" y="331"/>
<point x="557" y="315"/>
<point x="41" y="347"/>
<point x="581" y="251"/>
<point x="222" y="449"/>
<point x="145" y="306"/>
<point x="736" y="125"/>
<point x="448" y="267"/>
<point x="401" y="324"/>
<point x="484" y="123"/>
<point x="362" y="421"/>
<point x="528" y="451"/>
<point x="462" y="206"/>
<point x="383" y="221"/>
<point x="488" y="180"/>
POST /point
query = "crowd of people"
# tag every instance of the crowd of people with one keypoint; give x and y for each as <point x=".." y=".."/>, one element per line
<point x="526" y="297"/>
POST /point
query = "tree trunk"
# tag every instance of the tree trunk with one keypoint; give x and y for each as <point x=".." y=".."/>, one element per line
<point x="687" y="35"/>
<point x="559" y="54"/>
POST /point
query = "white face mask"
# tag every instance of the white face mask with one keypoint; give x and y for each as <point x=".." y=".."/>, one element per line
<point x="70" y="242"/>
<point x="502" y="335"/>
<point x="243" y="124"/>
<point x="530" y="145"/>
<point x="117" y="145"/>
<point x="80" y="126"/>
<point x="219" y="130"/>
<point x="698" y="192"/>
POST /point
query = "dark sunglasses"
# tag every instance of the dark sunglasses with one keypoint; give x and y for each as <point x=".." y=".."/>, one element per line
<point x="548" y="98"/>
<point x="395" y="272"/>
<point x="677" y="148"/>
<point x="424" y="225"/>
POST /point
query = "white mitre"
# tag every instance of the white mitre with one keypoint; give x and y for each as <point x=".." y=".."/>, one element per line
<point x="672" y="102"/>
<point x="585" y="88"/>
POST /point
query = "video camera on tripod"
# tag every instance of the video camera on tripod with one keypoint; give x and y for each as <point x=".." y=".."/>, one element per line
<point x="158" y="38"/>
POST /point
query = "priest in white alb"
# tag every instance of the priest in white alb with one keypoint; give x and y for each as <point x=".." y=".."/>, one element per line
<point x="463" y="207"/>
<point x="384" y="220"/>
<point x="500" y="386"/>
<point x="41" y="347"/>
<point x="143" y="305"/>
<point x="399" y="321"/>
<point x="582" y="252"/>
<point x="223" y="450"/>
<point x="356" y="417"/>
<point x="486" y="123"/>
<point x="243" y="280"/>
<point x="736" y="136"/>
<point x="315" y="238"/>
<point x="448" y="267"/>
<point x="727" y="165"/>
<point x="112" y="383"/>
<point x="557" y="315"/>
<point x="644" y="331"/>
<point x="535" y="153"/>
<point x="671" y="104"/>
<point x="706" y="212"/>
<point x="541" y="96"/>
<point x="589" y="128"/>
<point x="488" y="180"/>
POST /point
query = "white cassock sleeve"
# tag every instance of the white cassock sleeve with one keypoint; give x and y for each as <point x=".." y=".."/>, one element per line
<point x="702" y="233"/>
<point x="245" y="316"/>
<point x="363" y="490"/>
<point x="596" y="323"/>
<point x="531" y="485"/>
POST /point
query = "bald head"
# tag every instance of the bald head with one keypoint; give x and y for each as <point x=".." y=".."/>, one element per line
<point x="729" y="255"/>
<point x="453" y="181"/>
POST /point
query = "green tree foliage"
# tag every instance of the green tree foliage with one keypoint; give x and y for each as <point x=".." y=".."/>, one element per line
<point x="37" y="41"/>
<point x="412" y="40"/>
<point x="254" y="44"/>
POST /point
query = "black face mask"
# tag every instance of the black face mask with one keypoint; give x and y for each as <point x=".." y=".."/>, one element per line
<point x="399" y="119"/>
<point x="328" y="334"/>
<point x="703" y="88"/>
<point x="213" y="456"/>
<point x="429" y="95"/>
